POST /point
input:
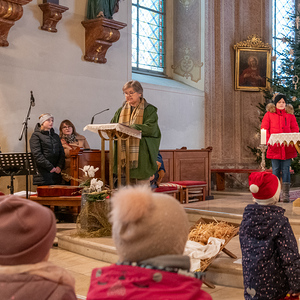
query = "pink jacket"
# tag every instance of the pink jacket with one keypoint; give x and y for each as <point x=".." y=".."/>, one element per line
<point x="136" y="283"/>
<point x="280" y="121"/>
<point x="41" y="281"/>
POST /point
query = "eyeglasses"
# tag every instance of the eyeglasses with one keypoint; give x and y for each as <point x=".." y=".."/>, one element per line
<point x="66" y="127"/>
<point x="129" y="94"/>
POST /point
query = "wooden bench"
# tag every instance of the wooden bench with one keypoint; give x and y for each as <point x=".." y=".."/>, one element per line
<point x="175" y="191"/>
<point x="220" y="175"/>
<point x="58" y="201"/>
<point x="192" y="190"/>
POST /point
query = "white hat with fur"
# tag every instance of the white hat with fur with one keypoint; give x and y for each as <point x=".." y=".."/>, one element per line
<point x="147" y="224"/>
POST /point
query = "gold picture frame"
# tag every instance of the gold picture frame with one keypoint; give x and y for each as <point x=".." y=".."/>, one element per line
<point x="252" y="64"/>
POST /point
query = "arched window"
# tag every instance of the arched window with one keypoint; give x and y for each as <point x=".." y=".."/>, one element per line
<point x="148" y="32"/>
<point x="283" y="27"/>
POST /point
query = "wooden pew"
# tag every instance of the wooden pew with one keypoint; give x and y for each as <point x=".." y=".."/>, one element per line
<point x="188" y="165"/>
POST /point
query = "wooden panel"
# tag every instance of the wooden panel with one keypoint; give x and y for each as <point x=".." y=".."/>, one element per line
<point x="193" y="165"/>
<point x="190" y="168"/>
<point x="90" y="157"/>
<point x="168" y="159"/>
<point x="87" y="157"/>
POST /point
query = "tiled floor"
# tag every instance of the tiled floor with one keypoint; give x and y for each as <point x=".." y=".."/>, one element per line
<point x="80" y="266"/>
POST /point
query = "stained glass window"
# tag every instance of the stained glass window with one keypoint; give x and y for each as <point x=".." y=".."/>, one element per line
<point x="148" y="46"/>
<point x="283" y="27"/>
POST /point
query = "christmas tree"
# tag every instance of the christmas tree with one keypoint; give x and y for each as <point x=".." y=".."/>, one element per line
<point x="285" y="79"/>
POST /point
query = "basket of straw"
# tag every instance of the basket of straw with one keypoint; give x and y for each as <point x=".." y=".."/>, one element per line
<point x="204" y="229"/>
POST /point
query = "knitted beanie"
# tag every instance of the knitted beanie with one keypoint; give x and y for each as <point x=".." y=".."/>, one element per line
<point x="147" y="224"/>
<point x="265" y="188"/>
<point x="44" y="117"/>
<point x="27" y="231"/>
<point x="278" y="97"/>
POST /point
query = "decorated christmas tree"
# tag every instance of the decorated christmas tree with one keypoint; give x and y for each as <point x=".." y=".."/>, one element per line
<point x="285" y="79"/>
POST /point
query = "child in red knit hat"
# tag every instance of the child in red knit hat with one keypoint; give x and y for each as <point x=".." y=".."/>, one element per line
<point x="270" y="256"/>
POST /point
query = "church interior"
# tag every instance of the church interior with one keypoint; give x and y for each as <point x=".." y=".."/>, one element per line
<point x="201" y="114"/>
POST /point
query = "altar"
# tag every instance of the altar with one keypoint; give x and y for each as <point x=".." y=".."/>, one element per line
<point x="285" y="139"/>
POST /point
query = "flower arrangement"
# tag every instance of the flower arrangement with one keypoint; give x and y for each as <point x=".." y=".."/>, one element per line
<point x="92" y="186"/>
<point x="93" y="218"/>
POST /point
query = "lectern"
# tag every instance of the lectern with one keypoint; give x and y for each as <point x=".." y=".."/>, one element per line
<point x="114" y="132"/>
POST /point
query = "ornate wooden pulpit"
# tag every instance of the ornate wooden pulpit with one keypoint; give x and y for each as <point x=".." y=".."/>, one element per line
<point x="114" y="132"/>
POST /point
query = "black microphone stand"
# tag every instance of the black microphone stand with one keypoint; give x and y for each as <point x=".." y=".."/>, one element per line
<point x="25" y="130"/>
<point x="92" y="121"/>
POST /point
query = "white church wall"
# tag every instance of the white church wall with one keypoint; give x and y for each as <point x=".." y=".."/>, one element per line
<point x="52" y="66"/>
<point x="181" y="111"/>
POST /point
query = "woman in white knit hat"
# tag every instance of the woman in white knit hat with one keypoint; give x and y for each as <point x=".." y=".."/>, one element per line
<point x="47" y="151"/>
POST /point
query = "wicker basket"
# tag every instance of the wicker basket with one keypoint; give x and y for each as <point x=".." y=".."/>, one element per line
<point x="204" y="264"/>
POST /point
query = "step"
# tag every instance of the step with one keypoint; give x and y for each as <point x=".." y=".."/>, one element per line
<point x="223" y="271"/>
<point x="98" y="248"/>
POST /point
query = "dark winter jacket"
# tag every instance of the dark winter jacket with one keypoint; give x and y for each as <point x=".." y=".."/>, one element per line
<point x="280" y="121"/>
<point x="48" y="153"/>
<point x="270" y="257"/>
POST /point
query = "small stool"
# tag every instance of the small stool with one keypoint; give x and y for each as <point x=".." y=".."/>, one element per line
<point x="192" y="189"/>
<point x="171" y="189"/>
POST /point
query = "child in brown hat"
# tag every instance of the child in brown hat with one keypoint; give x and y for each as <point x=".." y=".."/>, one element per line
<point x="150" y="231"/>
<point x="27" y="231"/>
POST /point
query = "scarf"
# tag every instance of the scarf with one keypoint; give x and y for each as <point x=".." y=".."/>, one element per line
<point x="128" y="118"/>
<point x="70" y="138"/>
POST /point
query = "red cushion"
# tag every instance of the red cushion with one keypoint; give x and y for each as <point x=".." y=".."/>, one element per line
<point x="162" y="189"/>
<point x="189" y="182"/>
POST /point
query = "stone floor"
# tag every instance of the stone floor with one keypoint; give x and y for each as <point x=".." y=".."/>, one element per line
<point x="229" y="203"/>
<point x="81" y="267"/>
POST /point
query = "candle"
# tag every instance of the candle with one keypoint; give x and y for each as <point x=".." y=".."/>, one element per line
<point x="263" y="136"/>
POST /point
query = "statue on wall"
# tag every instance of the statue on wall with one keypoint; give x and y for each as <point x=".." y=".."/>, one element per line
<point x="102" y="8"/>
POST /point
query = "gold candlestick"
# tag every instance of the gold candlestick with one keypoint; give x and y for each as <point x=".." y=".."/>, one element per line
<point x="263" y="149"/>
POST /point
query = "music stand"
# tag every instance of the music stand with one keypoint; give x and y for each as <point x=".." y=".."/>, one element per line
<point x="12" y="164"/>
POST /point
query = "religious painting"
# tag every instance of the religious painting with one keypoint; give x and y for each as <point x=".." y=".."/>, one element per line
<point x="252" y="65"/>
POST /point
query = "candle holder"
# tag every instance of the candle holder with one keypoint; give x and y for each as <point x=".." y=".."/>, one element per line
<point x="263" y="149"/>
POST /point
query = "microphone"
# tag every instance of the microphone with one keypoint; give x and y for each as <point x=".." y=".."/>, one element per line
<point x="92" y="121"/>
<point x="32" y="99"/>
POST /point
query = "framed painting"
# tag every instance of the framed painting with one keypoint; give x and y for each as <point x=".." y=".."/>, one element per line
<point x="252" y="65"/>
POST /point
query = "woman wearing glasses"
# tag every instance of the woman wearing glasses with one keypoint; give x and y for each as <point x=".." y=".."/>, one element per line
<point x="70" y="139"/>
<point x="137" y="113"/>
